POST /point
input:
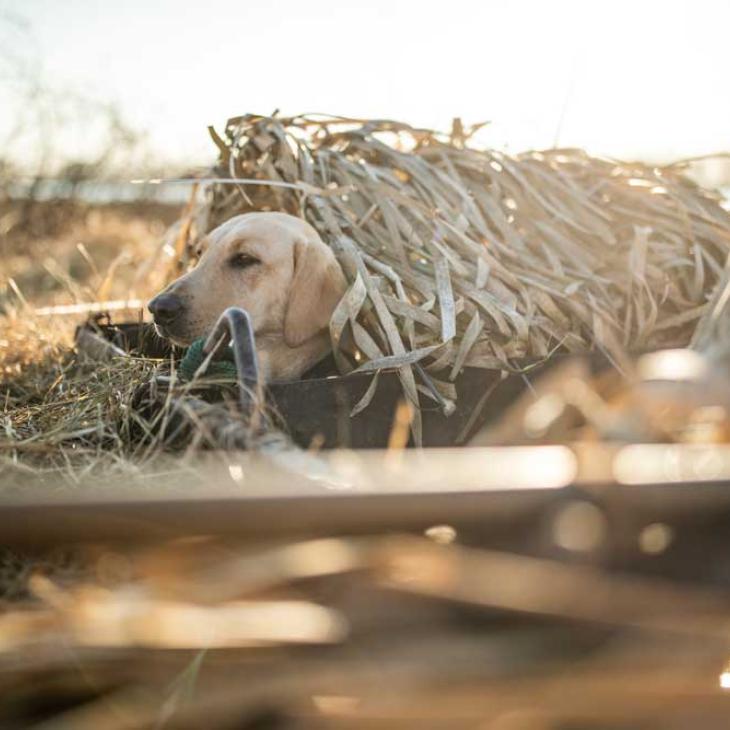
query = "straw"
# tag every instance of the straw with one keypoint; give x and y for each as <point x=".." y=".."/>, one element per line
<point x="472" y="257"/>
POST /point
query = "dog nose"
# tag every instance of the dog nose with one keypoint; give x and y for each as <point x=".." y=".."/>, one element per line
<point x="165" y="307"/>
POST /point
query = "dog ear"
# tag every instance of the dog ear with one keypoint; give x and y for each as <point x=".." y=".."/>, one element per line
<point x="317" y="286"/>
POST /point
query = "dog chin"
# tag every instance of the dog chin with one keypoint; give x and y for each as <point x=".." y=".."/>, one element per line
<point x="175" y="339"/>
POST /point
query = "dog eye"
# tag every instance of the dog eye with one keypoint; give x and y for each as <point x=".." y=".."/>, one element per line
<point x="243" y="261"/>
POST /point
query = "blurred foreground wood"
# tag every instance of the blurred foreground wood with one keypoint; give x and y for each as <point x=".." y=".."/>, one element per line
<point x="553" y="597"/>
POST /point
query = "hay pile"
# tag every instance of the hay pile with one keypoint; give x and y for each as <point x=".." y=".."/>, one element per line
<point x="65" y="414"/>
<point x="461" y="256"/>
<point x="73" y="415"/>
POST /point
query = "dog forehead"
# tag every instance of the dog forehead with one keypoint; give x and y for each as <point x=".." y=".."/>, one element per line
<point x="255" y="230"/>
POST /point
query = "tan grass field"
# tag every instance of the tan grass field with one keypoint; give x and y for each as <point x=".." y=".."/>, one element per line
<point x="67" y="254"/>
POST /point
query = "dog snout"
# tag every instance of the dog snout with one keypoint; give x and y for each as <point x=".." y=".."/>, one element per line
<point x="166" y="308"/>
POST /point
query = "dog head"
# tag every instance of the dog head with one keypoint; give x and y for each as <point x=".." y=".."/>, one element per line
<point x="273" y="265"/>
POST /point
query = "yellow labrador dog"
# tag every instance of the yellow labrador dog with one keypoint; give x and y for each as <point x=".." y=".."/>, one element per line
<point x="274" y="266"/>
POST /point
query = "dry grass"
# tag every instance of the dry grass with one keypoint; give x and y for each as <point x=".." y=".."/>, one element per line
<point x="63" y="252"/>
<point x="62" y="413"/>
<point x="460" y="256"/>
<point x="456" y="256"/>
<point x="70" y="411"/>
<point x="68" y="418"/>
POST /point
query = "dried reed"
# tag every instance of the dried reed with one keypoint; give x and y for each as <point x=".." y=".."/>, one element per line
<point x="463" y="256"/>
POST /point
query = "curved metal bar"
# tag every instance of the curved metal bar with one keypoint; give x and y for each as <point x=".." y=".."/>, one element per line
<point x="234" y="327"/>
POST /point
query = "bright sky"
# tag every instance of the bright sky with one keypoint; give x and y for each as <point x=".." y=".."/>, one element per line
<point x="627" y="77"/>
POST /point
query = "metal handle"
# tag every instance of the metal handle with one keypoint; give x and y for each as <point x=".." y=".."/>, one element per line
<point x="234" y="327"/>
